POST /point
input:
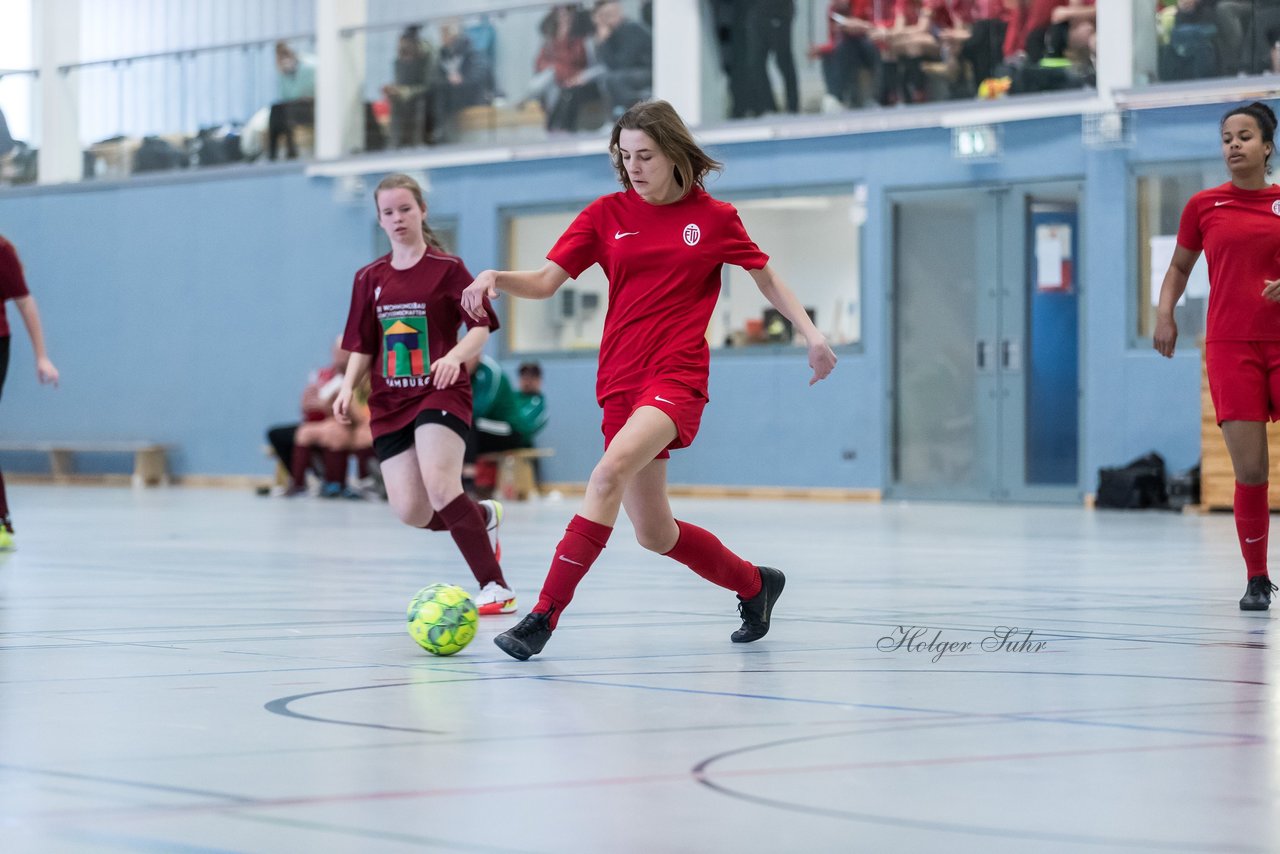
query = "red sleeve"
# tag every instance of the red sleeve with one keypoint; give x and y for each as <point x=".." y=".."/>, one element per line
<point x="13" y="285"/>
<point x="459" y="279"/>
<point x="362" y="333"/>
<point x="1189" y="234"/>
<point x="578" y="248"/>
<point x="738" y="248"/>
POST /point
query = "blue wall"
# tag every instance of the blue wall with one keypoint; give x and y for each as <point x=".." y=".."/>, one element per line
<point x="190" y="309"/>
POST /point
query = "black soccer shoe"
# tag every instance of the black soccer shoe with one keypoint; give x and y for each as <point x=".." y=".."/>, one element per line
<point x="526" y="637"/>
<point x="757" y="610"/>
<point x="1258" y="595"/>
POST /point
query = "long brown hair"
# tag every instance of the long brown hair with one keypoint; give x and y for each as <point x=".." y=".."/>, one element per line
<point x="660" y="121"/>
<point x="401" y="181"/>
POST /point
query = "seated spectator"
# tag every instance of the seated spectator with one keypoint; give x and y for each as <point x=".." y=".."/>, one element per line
<point x="847" y="54"/>
<point x="504" y="418"/>
<point x="560" y="63"/>
<point x="982" y="53"/>
<point x="466" y="77"/>
<point x="909" y="42"/>
<point x="624" y="55"/>
<point x="1029" y="36"/>
<point x="409" y="97"/>
<point x="320" y="434"/>
<point x="1188" y="40"/>
<point x="296" y="104"/>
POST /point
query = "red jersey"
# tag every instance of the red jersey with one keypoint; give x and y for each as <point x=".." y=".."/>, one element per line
<point x="13" y="285"/>
<point x="1239" y="232"/>
<point x="663" y="263"/>
<point x="1036" y="15"/>
<point x="408" y="319"/>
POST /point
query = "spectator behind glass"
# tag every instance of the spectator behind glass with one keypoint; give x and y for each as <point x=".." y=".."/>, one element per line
<point x="983" y="52"/>
<point x="409" y="96"/>
<point x="1247" y="30"/>
<point x="296" y="88"/>
<point x="466" y="77"/>
<point x="624" y="51"/>
<point x="768" y="32"/>
<point x="560" y="64"/>
<point x="1029" y="34"/>
<point x="848" y="53"/>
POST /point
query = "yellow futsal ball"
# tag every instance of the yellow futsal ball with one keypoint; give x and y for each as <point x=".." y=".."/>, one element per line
<point x="442" y="619"/>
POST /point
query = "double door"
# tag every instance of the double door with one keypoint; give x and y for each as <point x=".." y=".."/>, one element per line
<point x="985" y="300"/>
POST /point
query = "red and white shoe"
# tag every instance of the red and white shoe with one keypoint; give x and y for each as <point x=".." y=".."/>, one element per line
<point x="493" y="518"/>
<point x="495" y="599"/>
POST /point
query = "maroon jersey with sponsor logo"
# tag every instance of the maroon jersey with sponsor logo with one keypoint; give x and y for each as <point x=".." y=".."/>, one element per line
<point x="1239" y="233"/>
<point x="13" y="285"/>
<point x="406" y="320"/>
<point x="663" y="263"/>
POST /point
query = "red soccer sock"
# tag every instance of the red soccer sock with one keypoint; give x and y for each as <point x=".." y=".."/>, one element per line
<point x="466" y="524"/>
<point x="582" y="543"/>
<point x="1253" y="521"/>
<point x="4" y="501"/>
<point x="704" y="554"/>
<point x="436" y="524"/>
<point x="335" y="467"/>
<point x="299" y="464"/>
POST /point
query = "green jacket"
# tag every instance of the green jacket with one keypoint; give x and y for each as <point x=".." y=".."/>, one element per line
<point x="493" y="397"/>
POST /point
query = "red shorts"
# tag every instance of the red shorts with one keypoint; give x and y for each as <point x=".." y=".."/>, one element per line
<point x="679" y="402"/>
<point x="1244" y="379"/>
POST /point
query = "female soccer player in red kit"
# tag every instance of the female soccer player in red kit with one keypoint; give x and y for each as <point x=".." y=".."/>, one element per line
<point x="405" y="313"/>
<point x="1237" y="226"/>
<point x="13" y="286"/>
<point x="662" y="243"/>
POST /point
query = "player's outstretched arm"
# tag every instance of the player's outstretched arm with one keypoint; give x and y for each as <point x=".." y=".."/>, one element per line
<point x="821" y="357"/>
<point x="1165" y="338"/>
<point x="529" y="284"/>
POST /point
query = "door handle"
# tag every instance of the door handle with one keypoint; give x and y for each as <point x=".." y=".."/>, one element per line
<point x="982" y="355"/>
<point x="1010" y="355"/>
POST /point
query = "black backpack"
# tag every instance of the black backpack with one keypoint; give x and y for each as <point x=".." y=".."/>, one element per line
<point x="156" y="155"/>
<point x="1136" y="486"/>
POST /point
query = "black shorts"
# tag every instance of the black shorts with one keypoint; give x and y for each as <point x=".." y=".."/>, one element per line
<point x="389" y="445"/>
<point x="4" y="359"/>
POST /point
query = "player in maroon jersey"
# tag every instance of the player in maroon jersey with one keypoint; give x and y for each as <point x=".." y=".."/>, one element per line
<point x="13" y="286"/>
<point x="1237" y="226"/>
<point x="662" y="243"/>
<point x="404" y="317"/>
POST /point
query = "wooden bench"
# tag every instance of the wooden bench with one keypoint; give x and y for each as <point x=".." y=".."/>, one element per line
<point x="515" y="471"/>
<point x="150" y="465"/>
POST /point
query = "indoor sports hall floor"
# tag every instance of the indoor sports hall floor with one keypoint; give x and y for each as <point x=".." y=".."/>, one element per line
<point x="208" y="671"/>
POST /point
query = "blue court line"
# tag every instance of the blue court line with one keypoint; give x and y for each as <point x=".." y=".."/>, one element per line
<point x="1244" y="738"/>
<point x="138" y="843"/>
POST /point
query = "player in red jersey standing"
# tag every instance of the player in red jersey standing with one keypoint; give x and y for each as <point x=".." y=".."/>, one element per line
<point x="661" y="243"/>
<point x="13" y="286"/>
<point x="405" y="314"/>
<point x="1237" y="226"/>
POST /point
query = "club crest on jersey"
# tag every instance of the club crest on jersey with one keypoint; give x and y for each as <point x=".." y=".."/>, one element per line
<point x="1275" y="208"/>
<point x="692" y="234"/>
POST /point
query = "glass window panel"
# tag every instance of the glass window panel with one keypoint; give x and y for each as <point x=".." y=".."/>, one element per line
<point x="816" y="241"/>
<point x="1161" y="196"/>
